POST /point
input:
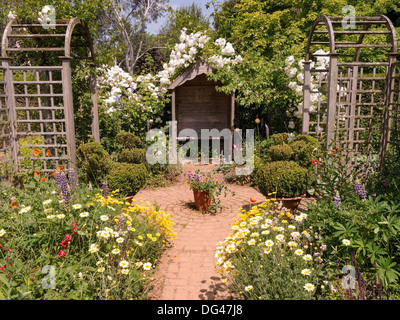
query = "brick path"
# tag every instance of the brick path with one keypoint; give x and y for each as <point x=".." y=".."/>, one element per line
<point x="186" y="270"/>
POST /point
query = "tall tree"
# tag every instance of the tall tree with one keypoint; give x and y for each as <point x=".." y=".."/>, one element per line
<point x="189" y="17"/>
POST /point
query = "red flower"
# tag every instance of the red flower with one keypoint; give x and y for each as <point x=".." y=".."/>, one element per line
<point x="253" y="200"/>
<point x="2" y="268"/>
<point x="53" y="173"/>
<point x="43" y="179"/>
<point x="64" y="243"/>
<point x="37" y="173"/>
<point x="62" y="254"/>
<point x="14" y="204"/>
<point x="68" y="238"/>
<point x="31" y="279"/>
<point x="48" y="152"/>
<point x="315" y="162"/>
<point x="36" y="152"/>
<point x="60" y="168"/>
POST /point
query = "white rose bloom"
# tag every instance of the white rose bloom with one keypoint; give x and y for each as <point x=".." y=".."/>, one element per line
<point x="291" y="72"/>
<point x="300" y="77"/>
<point x="289" y="61"/>
<point x="293" y="85"/>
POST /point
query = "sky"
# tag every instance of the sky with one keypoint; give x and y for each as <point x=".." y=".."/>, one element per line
<point x="153" y="28"/>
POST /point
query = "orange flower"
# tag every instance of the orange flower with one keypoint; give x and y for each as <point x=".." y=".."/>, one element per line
<point x="60" y="168"/>
<point x="36" y="152"/>
<point x="53" y="173"/>
<point x="37" y="173"/>
<point x="253" y="200"/>
<point x="48" y="152"/>
<point x="42" y="179"/>
<point x="14" y="204"/>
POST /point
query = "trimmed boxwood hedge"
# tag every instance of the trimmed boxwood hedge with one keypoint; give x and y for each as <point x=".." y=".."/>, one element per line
<point x="129" y="178"/>
<point x="135" y="155"/>
<point x="280" y="152"/>
<point x="286" y="178"/>
<point x="94" y="161"/>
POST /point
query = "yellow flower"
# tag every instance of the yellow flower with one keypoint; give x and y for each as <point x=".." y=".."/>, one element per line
<point x="140" y="237"/>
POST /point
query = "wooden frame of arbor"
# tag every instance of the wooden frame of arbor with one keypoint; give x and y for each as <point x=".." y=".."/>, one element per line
<point x="36" y="102"/>
<point x="357" y="103"/>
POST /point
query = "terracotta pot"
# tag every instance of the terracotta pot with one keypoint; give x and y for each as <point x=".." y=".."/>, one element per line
<point x="202" y="200"/>
<point x="290" y="203"/>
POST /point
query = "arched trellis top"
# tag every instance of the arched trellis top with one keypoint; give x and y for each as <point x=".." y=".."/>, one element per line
<point x="61" y="29"/>
<point x="362" y="26"/>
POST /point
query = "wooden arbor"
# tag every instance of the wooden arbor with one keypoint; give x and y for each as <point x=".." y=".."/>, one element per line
<point x="351" y="99"/>
<point x="197" y="105"/>
<point x="36" y="101"/>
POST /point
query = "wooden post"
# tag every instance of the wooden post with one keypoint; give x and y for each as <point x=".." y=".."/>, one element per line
<point x="173" y="106"/>
<point x="306" y="98"/>
<point x="69" y="110"/>
<point x="232" y="118"/>
<point x="12" y="113"/>
<point x="386" y="119"/>
<point x="332" y="97"/>
<point x="95" y="108"/>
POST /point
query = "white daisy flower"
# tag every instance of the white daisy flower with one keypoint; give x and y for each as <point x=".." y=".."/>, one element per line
<point x="124" y="264"/>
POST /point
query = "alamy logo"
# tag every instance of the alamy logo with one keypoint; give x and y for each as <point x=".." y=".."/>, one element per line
<point x="49" y="281"/>
<point x="349" y="21"/>
<point x="158" y="151"/>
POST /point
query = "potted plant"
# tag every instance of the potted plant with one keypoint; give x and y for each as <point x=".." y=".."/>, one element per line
<point x="287" y="180"/>
<point x="206" y="189"/>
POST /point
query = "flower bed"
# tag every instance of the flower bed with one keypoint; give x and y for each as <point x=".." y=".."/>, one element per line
<point x="58" y="242"/>
<point x="269" y="255"/>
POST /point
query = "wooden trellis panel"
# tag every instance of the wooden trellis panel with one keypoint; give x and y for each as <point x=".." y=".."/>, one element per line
<point x="36" y="104"/>
<point x="394" y="129"/>
<point x="352" y="100"/>
<point x="6" y="149"/>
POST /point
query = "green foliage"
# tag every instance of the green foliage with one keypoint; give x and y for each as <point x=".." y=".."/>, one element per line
<point x="372" y="228"/>
<point x="307" y="139"/>
<point x="94" y="162"/>
<point x="128" y="178"/>
<point x="286" y="178"/>
<point x="280" y="152"/>
<point x="135" y="155"/>
<point x="305" y="155"/>
<point x="280" y="138"/>
<point x="128" y="140"/>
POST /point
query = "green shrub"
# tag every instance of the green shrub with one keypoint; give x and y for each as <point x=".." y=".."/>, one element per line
<point x="286" y="178"/>
<point x="135" y="155"/>
<point x="128" y="140"/>
<point x="280" y="152"/>
<point x="94" y="161"/>
<point x="127" y="177"/>
<point x="297" y="145"/>
<point x="303" y="150"/>
<point x="280" y="138"/>
<point x="306" y="138"/>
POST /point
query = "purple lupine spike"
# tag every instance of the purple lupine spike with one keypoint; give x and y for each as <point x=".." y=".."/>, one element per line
<point x="105" y="189"/>
<point x="72" y="178"/>
<point x="64" y="188"/>
<point x="337" y="200"/>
